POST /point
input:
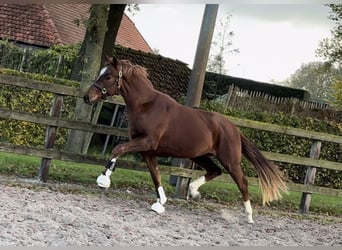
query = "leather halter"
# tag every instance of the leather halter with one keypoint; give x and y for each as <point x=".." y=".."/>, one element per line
<point x="104" y="90"/>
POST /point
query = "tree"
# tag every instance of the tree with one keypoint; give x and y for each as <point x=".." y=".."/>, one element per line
<point x="331" y="48"/>
<point x="336" y="93"/>
<point x="115" y="14"/>
<point x="221" y="47"/>
<point x="317" y="78"/>
<point x="102" y="27"/>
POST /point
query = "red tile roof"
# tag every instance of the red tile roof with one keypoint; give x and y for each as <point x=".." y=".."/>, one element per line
<point x="129" y="36"/>
<point x="64" y="17"/>
<point x="49" y="24"/>
<point x="27" y="23"/>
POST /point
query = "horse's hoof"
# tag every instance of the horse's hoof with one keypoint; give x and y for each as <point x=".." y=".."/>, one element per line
<point x="103" y="181"/>
<point x="250" y="220"/>
<point x="158" y="208"/>
<point x="196" y="196"/>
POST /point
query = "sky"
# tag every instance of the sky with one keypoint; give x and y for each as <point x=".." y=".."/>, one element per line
<point x="273" y="40"/>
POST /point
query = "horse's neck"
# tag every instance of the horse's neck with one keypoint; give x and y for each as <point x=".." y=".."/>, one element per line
<point x="137" y="92"/>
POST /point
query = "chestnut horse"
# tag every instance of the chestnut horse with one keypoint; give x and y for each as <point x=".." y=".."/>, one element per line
<point x="160" y="126"/>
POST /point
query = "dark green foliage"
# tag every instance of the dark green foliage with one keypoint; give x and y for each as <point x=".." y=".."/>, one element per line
<point x="32" y="101"/>
<point x="39" y="61"/>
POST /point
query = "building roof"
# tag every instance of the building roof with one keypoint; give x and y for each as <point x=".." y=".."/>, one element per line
<point x="51" y="24"/>
<point x="28" y="24"/>
<point x="65" y="18"/>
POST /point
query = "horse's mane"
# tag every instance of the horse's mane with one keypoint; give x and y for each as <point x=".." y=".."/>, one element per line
<point x="136" y="70"/>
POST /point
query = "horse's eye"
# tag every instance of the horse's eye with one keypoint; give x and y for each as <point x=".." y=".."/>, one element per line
<point x="108" y="77"/>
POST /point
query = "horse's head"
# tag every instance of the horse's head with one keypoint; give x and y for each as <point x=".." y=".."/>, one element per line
<point x="107" y="83"/>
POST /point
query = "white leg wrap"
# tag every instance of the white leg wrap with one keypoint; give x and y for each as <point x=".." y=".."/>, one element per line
<point x="104" y="180"/>
<point x="195" y="185"/>
<point x="162" y="195"/>
<point x="249" y="211"/>
<point x="158" y="206"/>
<point x="113" y="164"/>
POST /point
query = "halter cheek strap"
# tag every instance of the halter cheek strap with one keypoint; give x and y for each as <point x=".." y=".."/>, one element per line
<point x="119" y="78"/>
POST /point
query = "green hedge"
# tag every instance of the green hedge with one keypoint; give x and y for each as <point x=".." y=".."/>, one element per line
<point x="39" y="61"/>
<point x="33" y="101"/>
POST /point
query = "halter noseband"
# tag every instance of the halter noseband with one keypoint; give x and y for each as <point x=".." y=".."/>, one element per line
<point x="103" y="90"/>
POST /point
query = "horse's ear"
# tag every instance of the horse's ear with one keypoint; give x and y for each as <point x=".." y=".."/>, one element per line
<point x="111" y="60"/>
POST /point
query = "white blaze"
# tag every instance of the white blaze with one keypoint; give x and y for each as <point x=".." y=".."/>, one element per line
<point x="103" y="70"/>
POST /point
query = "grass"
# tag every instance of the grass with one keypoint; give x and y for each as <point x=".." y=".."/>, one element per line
<point x="224" y="193"/>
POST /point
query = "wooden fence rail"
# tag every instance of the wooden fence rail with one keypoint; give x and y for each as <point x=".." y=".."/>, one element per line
<point x="258" y="101"/>
<point x="50" y="153"/>
<point x="104" y="129"/>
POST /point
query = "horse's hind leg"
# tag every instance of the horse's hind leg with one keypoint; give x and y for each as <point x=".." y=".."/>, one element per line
<point x="242" y="184"/>
<point x="212" y="171"/>
<point x="231" y="162"/>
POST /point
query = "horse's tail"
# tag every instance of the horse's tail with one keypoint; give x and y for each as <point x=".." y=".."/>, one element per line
<point x="270" y="177"/>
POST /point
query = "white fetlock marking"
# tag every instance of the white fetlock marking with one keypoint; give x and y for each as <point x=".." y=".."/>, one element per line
<point x="195" y="185"/>
<point x="162" y="195"/>
<point x="113" y="164"/>
<point x="158" y="207"/>
<point x="249" y="211"/>
<point x="108" y="172"/>
<point x="104" y="180"/>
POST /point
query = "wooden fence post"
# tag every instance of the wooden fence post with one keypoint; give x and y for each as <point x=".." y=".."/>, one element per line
<point x="50" y="137"/>
<point x="60" y="61"/>
<point x="21" y="66"/>
<point x="310" y="177"/>
<point x="229" y="96"/>
<point x="182" y="183"/>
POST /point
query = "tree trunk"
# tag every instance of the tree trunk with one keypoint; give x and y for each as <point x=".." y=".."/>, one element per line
<point x="115" y="14"/>
<point x="104" y="23"/>
<point x="88" y="63"/>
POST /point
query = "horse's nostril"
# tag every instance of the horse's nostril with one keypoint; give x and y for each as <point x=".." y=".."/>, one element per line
<point x="86" y="99"/>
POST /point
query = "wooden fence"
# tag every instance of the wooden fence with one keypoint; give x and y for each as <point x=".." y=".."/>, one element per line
<point x="258" y="101"/>
<point x="52" y="121"/>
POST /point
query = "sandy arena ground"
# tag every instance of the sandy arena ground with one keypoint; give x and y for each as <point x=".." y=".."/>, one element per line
<point x="31" y="216"/>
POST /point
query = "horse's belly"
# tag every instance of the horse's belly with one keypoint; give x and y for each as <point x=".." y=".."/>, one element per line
<point x="185" y="147"/>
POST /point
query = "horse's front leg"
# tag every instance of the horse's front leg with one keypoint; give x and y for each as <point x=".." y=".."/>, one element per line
<point x="151" y="162"/>
<point x="103" y="180"/>
<point x="135" y="145"/>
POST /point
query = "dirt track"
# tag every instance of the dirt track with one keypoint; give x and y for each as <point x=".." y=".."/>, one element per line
<point x="41" y="217"/>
